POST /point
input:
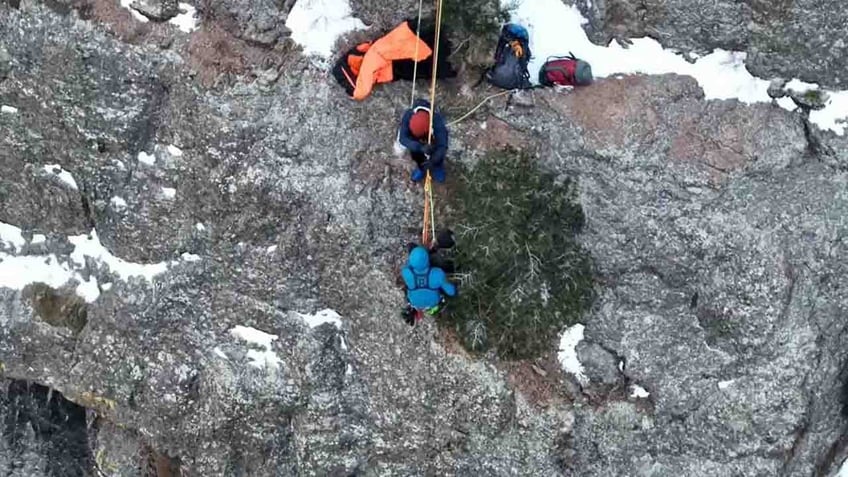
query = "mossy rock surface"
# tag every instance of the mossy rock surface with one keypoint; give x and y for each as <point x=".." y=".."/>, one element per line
<point x="523" y="274"/>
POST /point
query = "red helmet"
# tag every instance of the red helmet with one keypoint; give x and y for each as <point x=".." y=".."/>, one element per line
<point x="419" y="124"/>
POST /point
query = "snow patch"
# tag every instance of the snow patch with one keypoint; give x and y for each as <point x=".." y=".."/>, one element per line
<point x="90" y="246"/>
<point x="220" y="353"/>
<point x="190" y="257"/>
<point x="843" y="471"/>
<point x="174" y="150"/>
<point x="321" y="317"/>
<point x="62" y="174"/>
<point x="555" y="30"/>
<point x="725" y="384"/>
<point x="8" y="109"/>
<point x="186" y="21"/>
<point x="637" y="391"/>
<point x="11" y="235"/>
<point x="568" y="352"/>
<point x="169" y="192"/>
<point x="106" y="286"/>
<point x="254" y="336"/>
<point x="138" y="16"/>
<point x="260" y="339"/>
<point x="315" y="24"/>
<point x="199" y="227"/>
<point x="18" y="272"/>
<point x="146" y="158"/>
<point x="271" y="249"/>
<point x="118" y="203"/>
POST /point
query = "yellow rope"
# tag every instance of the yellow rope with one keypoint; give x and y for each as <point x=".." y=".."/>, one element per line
<point x="429" y="214"/>
<point x="481" y="103"/>
<point x="435" y="68"/>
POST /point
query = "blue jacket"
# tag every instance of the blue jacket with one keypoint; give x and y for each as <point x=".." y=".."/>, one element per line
<point x="424" y="284"/>
<point x="440" y="134"/>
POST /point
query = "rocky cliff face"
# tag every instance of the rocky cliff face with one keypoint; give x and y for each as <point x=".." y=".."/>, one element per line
<point x="799" y="38"/>
<point x="229" y="202"/>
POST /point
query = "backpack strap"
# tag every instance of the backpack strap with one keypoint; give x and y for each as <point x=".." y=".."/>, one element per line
<point x="420" y="281"/>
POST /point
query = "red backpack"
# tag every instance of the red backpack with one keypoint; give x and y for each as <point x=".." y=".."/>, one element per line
<point x="565" y="71"/>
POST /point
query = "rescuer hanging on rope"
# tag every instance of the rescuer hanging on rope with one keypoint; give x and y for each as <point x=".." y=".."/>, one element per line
<point x="412" y="134"/>
<point x="425" y="284"/>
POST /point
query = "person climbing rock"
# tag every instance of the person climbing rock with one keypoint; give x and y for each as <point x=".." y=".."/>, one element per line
<point x="425" y="285"/>
<point x="412" y="134"/>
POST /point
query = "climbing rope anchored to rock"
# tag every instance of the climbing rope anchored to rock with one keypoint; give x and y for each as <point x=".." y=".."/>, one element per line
<point x="424" y="133"/>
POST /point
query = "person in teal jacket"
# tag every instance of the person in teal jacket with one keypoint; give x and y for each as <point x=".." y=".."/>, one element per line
<point x="425" y="284"/>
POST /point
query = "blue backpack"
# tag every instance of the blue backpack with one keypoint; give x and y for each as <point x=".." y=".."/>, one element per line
<point x="511" y="58"/>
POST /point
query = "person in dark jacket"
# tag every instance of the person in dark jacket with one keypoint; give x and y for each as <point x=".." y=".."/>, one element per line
<point x="413" y="134"/>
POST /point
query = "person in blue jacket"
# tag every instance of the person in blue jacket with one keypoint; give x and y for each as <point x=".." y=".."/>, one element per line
<point x="412" y="134"/>
<point x="424" y="283"/>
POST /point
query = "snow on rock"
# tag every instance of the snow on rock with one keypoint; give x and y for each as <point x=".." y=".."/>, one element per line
<point x="199" y="227"/>
<point x="843" y="471"/>
<point x="186" y="21"/>
<point x="62" y="174"/>
<point x="834" y="116"/>
<point x="190" y="257"/>
<point x="8" y="109"/>
<point x="174" y="150"/>
<point x="138" y="16"/>
<point x="315" y="24"/>
<point x="11" y="235"/>
<point x="259" y="339"/>
<point x="18" y="271"/>
<point x="220" y="353"/>
<point x="169" y="192"/>
<point x="568" y="352"/>
<point x="90" y="246"/>
<point x="118" y="203"/>
<point x="555" y="30"/>
<point x="321" y="317"/>
<point x="637" y="391"/>
<point x="146" y="158"/>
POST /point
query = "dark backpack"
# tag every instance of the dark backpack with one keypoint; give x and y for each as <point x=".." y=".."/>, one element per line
<point x="566" y="71"/>
<point x="511" y="58"/>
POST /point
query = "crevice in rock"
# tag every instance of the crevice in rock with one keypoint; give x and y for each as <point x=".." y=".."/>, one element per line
<point x="87" y="211"/>
<point x="825" y="464"/>
<point x="815" y="146"/>
<point x="44" y="430"/>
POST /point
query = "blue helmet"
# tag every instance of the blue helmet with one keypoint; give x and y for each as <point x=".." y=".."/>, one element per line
<point x="419" y="259"/>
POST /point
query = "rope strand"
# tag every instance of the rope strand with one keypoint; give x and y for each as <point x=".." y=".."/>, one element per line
<point x="415" y="62"/>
